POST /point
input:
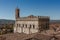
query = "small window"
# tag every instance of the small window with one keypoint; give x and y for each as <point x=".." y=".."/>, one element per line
<point x="30" y="26"/>
<point x="26" y="25"/>
<point x="17" y="25"/>
<point x="23" y="25"/>
<point x="33" y="26"/>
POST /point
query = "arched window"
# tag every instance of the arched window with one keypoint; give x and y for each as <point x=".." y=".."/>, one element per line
<point x="33" y="26"/>
<point x="26" y="25"/>
<point x="17" y="25"/>
<point x="30" y="26"/>
<point x="23" y="25"/>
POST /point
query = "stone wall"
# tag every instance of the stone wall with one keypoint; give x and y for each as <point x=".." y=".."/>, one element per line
<point x="26" y="26"/>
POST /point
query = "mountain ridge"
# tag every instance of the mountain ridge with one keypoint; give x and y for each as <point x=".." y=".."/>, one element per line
<point x="6" y="21"/>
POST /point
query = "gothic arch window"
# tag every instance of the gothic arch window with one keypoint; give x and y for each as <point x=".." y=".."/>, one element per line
<point x="22" y="25"/>
<point x="30" y="26"/>
<point x="26" y="25"/>
<point x="33" y="26"/>
<point x="17" y="25"/>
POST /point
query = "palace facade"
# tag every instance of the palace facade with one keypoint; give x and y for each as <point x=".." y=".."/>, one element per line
<point x="30" y="24"/>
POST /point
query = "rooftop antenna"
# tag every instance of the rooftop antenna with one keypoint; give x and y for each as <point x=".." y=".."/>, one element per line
<point x="17" y="4"/>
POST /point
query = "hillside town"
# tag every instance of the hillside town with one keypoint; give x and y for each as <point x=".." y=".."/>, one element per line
<point x="29" y="28"/>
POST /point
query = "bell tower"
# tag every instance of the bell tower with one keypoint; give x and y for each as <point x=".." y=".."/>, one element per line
<point x="17" y="13"/>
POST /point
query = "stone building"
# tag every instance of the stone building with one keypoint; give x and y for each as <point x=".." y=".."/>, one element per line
<point x="30" y="24"/>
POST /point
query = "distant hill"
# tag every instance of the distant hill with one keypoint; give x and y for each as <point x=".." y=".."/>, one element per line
<point x="54" y="21"/>
<point x="5" y="21"/>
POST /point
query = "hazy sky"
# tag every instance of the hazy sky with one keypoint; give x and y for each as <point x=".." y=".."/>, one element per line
<point x="30" y="7"/>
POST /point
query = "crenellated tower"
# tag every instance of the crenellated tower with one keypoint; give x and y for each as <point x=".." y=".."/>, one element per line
<point x="17" y="13"/>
